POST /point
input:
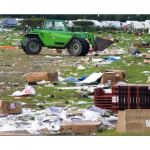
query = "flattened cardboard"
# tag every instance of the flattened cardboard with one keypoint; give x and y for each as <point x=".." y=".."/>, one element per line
<point x="57" y="51"/>
<point x="17" y="132"/>
<point x="40" y="76"/>
<point x="133" y="121"/>
<point x="81" y="127"/>
<point x="135" y="44"/>
<point x="121" y="122"/>
<point x="146" y="56"/>
<point x="10" y="107"/>
<point x="60" y="133"/>
<point x="109" y="76"/>
<point x="131" y="49"/>
<point x="148" y="79"/>
<point x="147" y="61"/>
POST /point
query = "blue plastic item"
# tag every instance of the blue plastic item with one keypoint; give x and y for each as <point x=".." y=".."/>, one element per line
<point x="71" y="79"/>
<point x="112" y="59"/>
<point x="83" y="77"/>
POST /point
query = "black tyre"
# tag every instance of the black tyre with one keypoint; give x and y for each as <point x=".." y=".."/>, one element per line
<point x="24" y="48"/>
<point x="75" y="47"/>
<point x="33" y="46"/>
<point x="25" y="51"/>
<point x="86" y="47"/>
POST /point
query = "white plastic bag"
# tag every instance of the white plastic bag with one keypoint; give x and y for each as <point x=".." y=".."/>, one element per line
<point x="29" y="90"/>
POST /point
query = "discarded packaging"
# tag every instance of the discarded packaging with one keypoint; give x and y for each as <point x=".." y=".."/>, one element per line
<point x="10" y="107"/>
<point x="82" y="127"/>
<point x="16" y="132"/>
<point x="40" y="76"/>
<point x="134" y="121"/>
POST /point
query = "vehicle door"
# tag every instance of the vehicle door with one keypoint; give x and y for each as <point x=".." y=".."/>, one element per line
<point x="54" y="34"/>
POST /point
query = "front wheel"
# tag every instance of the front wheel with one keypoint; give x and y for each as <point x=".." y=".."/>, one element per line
<point x="75" y="47"/>
<point x="24" y="49"/>
<point x="33" y="46"/>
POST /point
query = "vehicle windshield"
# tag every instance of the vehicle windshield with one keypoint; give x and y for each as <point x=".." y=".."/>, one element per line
<point x="55" y="25"/>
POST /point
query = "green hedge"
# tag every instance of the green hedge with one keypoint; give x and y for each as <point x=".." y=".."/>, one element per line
<point x="92" y="29"/>
<point x="33" y="21"/>
<point x="83" y="23"/>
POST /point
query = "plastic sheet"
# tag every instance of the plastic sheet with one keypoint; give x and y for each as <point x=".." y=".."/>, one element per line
<point x="92" y="78"/>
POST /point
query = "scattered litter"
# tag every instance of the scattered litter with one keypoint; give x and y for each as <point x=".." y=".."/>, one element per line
<point x="113" y="58"/>
<point x="29" y="90"/>
<point x="92" y="78"/>
<point x="80" y="67"/>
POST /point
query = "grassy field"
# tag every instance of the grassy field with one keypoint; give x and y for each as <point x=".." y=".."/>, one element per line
<point x="14" y="64"/>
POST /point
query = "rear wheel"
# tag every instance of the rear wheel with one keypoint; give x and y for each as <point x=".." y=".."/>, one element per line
<point x="75" y="47"/>
<point x="33" y="46"/>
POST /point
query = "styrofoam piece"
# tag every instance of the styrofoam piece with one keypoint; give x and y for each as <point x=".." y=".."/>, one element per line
<point x="43" y="82"/>
<point x="61" y="79"/>
<point x="81" y="102"/>
<point x="81" y="67"/>
<point x="97" y="60"/>
<point x="91" y="114"/>
<point x="107" y="90"/>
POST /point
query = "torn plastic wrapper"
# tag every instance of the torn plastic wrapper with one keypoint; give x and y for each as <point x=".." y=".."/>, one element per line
<point x="55" y="110"/>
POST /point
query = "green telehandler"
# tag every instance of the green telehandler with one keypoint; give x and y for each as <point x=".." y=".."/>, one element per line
<point x="55" y="34"/>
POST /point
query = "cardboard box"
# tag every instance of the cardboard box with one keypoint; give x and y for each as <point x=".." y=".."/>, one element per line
<point x="82" y="127"/>
<point x="17" y="132"/>
<point x="15" y="44"/>
<point x="57" y="50"/>
<point x="148" y="79"/>
<point x="134" y="121"/>
<point x="10" y="107"/>
<point x="131" y="49"/>
<point x="109" y="76"/>
<point x="147" y="61"/>
<point x="146" y="56"/>
<point x="120" y="75"/>
<point x="3" y="37"/>
<point x="59" y="133"/>
<point x="40" y="76"/>
<point x="75" y="113"/>
<point x="135" y="44"/>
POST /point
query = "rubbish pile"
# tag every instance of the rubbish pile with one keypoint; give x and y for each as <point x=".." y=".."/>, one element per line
<point x="93" y="98"/>
<point x="52" y="120"/>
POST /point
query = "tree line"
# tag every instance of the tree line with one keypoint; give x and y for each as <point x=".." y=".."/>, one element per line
<point x="99" y="17"/>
